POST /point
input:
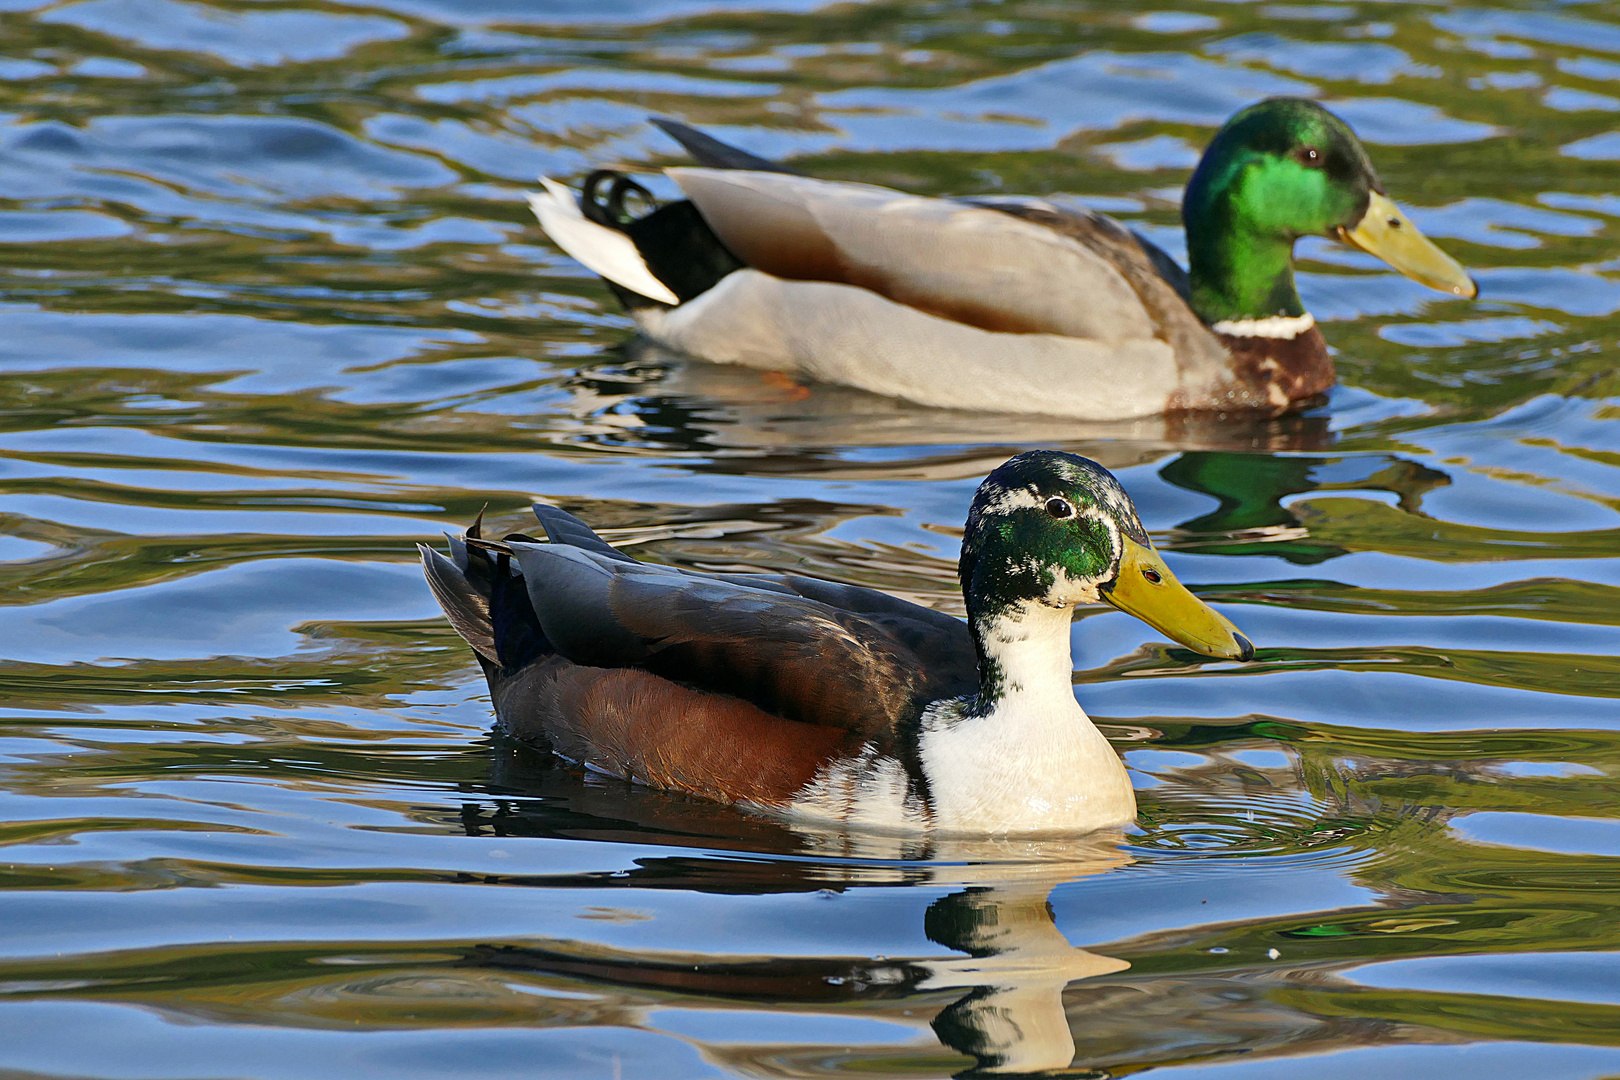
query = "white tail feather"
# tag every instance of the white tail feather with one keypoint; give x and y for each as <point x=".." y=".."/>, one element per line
<point x="606" y="251"/>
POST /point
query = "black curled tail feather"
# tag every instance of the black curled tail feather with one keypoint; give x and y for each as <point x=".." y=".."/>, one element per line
<point x="609" y="208"/>
<point x="674" y="241"/>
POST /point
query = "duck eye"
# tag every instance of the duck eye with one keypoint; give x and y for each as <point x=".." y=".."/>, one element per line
<point x="1310" y="155"/>
<point x="1152" y="575"/>
<point x="1060" y="508"/>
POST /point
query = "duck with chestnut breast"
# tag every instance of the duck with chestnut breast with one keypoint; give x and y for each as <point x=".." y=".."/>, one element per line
<point x="816" y="700"/>
<point x="1005" y="305"/>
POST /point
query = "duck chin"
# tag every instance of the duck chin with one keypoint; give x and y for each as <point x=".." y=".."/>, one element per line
<point x="1070" y="592"/>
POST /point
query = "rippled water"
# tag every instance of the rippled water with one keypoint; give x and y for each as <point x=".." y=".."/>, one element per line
<point x="274" y="309"/>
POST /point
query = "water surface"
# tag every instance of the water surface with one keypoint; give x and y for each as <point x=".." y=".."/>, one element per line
<point x="274" y="310"/>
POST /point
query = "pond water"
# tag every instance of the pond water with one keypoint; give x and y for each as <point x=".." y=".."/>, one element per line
<point x="274" y="310"/>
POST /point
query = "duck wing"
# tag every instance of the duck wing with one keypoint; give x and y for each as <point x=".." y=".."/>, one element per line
<point x="900" y="617"/>
<point x="789" y="655"/>
<point x="1138" y="258"/>
<point x="1159" y="282"/>
<point x="971" y="264"/>
<point x="940" y="642"/>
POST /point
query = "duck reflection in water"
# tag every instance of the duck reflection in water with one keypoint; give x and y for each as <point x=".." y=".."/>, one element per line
<point x="642" y="396"/>
<point x="1012" y="1019"/>
<point x="1253" y="517"/>
<point x="1000" y="1003"/>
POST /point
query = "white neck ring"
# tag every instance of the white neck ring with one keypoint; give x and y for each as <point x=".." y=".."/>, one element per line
<point x="1279" y="327"/>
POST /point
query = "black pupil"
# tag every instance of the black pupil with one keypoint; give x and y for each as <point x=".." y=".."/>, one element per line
<point x="1152" y="575"/>
<point x="1059" y="508"/>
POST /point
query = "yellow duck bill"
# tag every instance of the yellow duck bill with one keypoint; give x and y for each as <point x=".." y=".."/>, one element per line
<point x="1146" y="588"/>
<point x="1385" y="232"/>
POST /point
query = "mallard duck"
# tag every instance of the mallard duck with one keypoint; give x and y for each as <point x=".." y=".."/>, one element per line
<point x="1007" y="305"/>
<point x="831" y="702"/>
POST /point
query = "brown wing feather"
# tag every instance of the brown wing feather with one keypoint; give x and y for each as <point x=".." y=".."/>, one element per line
<point x="959" y="261"/>
<point x="941" y="644"/>
<point x="792" y="656"/>
<point x="639" y="726"/>
<point x="1159" y="283"/>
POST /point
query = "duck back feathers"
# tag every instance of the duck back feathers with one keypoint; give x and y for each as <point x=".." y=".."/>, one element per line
<point x="736" y="687"/>
<point x="966" y="263"/>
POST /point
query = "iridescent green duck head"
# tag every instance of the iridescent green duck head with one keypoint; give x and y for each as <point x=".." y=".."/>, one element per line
<point x="1050" y="530"/>
<point x="1277" y="171"/>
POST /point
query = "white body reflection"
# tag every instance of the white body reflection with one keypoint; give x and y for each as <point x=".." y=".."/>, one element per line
<point x="1018" y="963"/>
